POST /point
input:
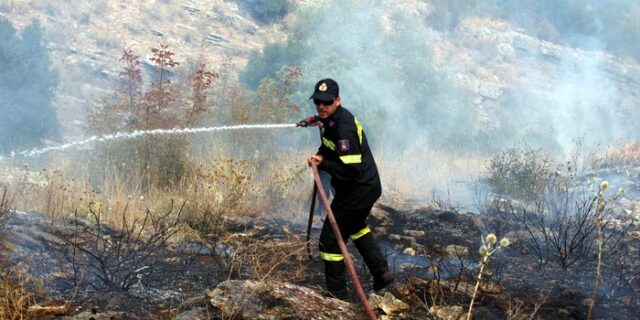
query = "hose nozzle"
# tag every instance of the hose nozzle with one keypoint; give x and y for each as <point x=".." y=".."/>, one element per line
<point x="309" y="121"/>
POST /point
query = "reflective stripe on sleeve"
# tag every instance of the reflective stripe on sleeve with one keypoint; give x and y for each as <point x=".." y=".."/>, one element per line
<point x="351" y="159"/>
<point x="359" y="127"/>
<point x="329" y="144"/>
<point x="360" y="234"/>
<point x="331" y="256"/>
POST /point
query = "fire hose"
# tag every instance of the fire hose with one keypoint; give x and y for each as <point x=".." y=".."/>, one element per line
<point x="317" y="187"/>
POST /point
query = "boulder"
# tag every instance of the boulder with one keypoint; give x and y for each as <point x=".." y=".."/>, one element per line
<point x="387" y="303"/>
<point x="447" y="312"/>
<point x="248" y="299"/>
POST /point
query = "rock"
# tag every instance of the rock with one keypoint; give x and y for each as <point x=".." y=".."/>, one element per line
<point x="489" y="90"/>
<point x="415" y="233"/>
<point x="381" y="216"/>
<point x="247" y="299"/>
<point x="409" y="266"/>
<point x="405" y="239"/>
<point x="461" y="287"/>
<point x="418" y="247"/>
<point x="192" y="248"/>
<point x="199" y="300"/>
<point x="455" y="250"/>
<point x="47" y="311"/>
<point x="626" y="300"/>
<point x="139" y="290"/>
<point x="114" y="302"/>
<point x="403" y="290"/>
<point x="409" y="251"/>
<point x="490" y="287"/>
<point x="447" y="313"/>
<point x="380" y="230"/>
<point x="551" y="49"/>
<point x="157" y="33"/>
<point x="195" y="314"/>
<point x="387" y="303"/>
<point x="92" y="315"/>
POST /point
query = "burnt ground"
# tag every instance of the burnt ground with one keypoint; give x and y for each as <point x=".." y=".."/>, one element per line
<point x="433" y="252"/>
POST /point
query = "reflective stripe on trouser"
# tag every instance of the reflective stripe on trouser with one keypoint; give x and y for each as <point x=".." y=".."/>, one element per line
<point x="335" y="257"/>
<point x="360" y="233"/>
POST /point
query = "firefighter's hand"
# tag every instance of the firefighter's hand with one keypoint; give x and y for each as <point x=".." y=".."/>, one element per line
<point x="314" y="158"/>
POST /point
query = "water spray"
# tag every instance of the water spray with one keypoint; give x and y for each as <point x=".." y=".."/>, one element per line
<point x="138" y="133"/>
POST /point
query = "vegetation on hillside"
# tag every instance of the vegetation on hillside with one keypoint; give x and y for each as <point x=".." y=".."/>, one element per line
<point x="374" y="69"/>
<point x="267" y="11"/>
<point x="27" y="88"/>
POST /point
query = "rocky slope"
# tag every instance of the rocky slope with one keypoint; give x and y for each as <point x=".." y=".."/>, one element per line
<point x="503" y="66"/>
<point x="86" y="40"/>
<point x="497" y="62"/>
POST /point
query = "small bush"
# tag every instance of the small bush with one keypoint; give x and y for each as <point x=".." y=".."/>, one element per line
<point x="267" y="11"/>
<point x="114" y="258"/>
<point x="562" y="216"/>
<point x="519" y="172"/>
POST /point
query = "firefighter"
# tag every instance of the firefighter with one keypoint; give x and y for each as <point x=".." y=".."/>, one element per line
<point x="345" y="155"/>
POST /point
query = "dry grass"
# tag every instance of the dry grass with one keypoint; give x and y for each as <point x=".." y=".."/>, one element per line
<point x="15" y="298"/>
<point x="273" y="259"/>
<point x="623" y="154"/>
<point x="215" y="186"/>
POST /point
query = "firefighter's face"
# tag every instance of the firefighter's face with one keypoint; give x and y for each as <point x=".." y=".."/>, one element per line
<point x="326" y="108"/>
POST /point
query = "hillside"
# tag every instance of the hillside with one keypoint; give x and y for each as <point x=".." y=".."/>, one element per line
<point x="509" y="72"/>
<point x="86" y="41"/>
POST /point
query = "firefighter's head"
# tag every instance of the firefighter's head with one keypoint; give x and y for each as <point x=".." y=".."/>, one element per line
<point x="326" y="97"/>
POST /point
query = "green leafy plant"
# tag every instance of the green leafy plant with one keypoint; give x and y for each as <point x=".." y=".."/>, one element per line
<point x="520" y="172"/>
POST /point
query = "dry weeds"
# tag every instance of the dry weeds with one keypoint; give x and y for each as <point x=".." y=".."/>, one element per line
<point x="15" y="297"/>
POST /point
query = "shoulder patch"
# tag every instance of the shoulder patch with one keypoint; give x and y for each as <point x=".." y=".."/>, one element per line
<point x="343" y="145"/>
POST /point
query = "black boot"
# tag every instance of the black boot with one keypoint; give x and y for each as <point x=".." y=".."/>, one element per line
<point x="336" y="279"/>
<point x="382" y="281"/>
<point x="375" y="261"/>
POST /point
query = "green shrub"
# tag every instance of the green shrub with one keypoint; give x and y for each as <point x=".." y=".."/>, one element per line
<point x="520" y="172"/>
<point x="266" y="11"/>
<point x="27" y="86"/>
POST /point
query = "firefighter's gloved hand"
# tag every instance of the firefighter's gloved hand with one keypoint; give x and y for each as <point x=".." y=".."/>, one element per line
<point x="308" y="121"/>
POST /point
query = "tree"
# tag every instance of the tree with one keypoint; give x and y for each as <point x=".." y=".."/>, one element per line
<point x="153" y="160"/>
<point x="27" y="85"/>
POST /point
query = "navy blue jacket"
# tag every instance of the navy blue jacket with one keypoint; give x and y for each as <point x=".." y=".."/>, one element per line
<point x="347" y="157"/>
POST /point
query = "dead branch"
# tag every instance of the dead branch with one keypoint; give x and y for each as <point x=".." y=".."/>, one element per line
<point x="115" y="258"/>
